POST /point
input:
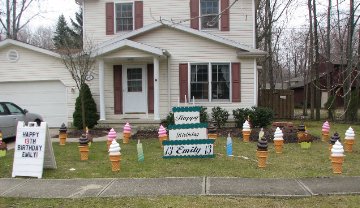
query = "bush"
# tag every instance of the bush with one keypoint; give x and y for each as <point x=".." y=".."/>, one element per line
<point x="262" y="116"/>
<point x="259" y="116"/>
<point x="219" y="116"/>
<point x="91" y="115"/>
<point x="241" y="114"/>
<point x="169" y="120"/>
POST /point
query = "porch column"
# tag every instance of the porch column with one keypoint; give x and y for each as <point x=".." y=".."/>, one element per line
<point x="101" y="89"/>
<point x="156" y="89"/>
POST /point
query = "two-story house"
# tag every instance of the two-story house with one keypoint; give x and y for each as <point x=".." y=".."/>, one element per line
<point x="155" y="54"/>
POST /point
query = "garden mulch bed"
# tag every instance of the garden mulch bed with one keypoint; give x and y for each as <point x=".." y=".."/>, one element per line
<point x="290" y="133"/>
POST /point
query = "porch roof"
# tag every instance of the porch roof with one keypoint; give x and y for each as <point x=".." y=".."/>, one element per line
<point x="132" y="44"/>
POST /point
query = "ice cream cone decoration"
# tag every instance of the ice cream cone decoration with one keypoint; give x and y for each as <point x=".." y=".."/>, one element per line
<point x="3" y="146"/>
<point x="246" y="131"/>
<point x="262" y="152"/>
<point x="212" y="134"/>
<point x="337" y="157"/>
<point x="333" y="140"/>
<point x="126" y="133"/>
<point x="162" y="135"/>
<point x="278" y="140"/>
<point x="301" y="133"/>
<point x="325" y="131"/>
<point x="84" y="147"/>
<point x="111" y="137"/>
<point x="229" y="149"/>
<point x="349" y="139"/>
<point x="89" y="136"/>
<point x="62" y="134"/>
<point x="115" y="156"/>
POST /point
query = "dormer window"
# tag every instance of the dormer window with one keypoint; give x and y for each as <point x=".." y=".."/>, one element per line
<point x="124" y="16"/>
<point x="209" y="14"/>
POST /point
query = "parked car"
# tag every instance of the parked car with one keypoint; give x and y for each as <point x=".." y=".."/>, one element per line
<point x="10" y="114"/>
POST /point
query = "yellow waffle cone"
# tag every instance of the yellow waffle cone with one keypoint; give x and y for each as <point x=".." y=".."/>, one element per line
<point x="349" y="145"/>
<point x="246" y="136"/>
<point x="84" y="152"/>
<point x="278" y="146"/>
<point x="325" y="136"/>
<point x="115" y="162"/>
<point x="108" y="144"/>
<point x="62" y="137"/>
<point x="262" y="156"/>
<point x="126" y="137"/>
<point x="161" y="139"/>
<point x="337" y="164"/>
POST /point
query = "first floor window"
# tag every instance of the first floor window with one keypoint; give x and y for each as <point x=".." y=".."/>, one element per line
<point x="124" y="16"/>
<point x="210" y="82"/>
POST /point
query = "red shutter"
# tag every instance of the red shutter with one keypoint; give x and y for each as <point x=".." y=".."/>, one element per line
<point x="183" y="82"/>
<point x="118" y="89"/>
<point x="194" y="14"/>
<point x="225" y="17"/>
<point x="150" y="75"/>
<point x="109" y="13"/>
<point x="235" y="82"/>
<point x="139" y="14"/>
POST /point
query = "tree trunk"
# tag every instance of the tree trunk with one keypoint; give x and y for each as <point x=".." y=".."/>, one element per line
<point x="268" y="43"/>
<point x="83" y="111"/>
<point x="14" y="28"/>
<point x="8" y="24"/>
<point x="311" y="59"/>
<point x="317" y="74"/>
<point x="328" y="62"/>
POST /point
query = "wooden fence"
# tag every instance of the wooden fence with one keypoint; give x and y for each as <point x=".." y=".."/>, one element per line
<point x="281" y="101"/>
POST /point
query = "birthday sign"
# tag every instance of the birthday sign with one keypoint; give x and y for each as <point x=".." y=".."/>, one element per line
<point x="190" y="148"/>
<point x="32" y="142"/>
<point x="188" y="137"/>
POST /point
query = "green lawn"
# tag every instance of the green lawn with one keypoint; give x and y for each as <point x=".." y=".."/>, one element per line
<point x="293" y="163"/>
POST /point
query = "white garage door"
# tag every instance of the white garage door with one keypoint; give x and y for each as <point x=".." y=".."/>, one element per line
<point x="47" y="98"/>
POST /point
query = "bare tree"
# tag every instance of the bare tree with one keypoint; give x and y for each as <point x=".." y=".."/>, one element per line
<point x="41" y="37"/>
<point x="81" y="64"/>
<point x="11" y="19"/>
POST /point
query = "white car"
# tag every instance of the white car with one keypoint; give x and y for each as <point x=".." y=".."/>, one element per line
<point x="10" y="114"/>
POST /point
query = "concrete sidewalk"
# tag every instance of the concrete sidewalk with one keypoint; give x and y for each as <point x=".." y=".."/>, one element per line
<point x="198" y="186"/>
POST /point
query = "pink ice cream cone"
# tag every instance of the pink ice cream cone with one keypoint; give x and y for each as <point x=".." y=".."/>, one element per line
<point x="162" y="135"/>
<point x="111" y="137"/>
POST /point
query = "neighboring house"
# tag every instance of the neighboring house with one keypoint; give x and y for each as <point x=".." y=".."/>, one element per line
<point x="336" y="65"/>
<point x="149" y="58"/>
<point x="35" y="79"/>
<point x="151" y="55"/>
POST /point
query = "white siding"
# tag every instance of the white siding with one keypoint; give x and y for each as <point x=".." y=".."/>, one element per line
<point x="241" y="18"/>
<point x="35" y="66"/>
<point x="183" y="48"/>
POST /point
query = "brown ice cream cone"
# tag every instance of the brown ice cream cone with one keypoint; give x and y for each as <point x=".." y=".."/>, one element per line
<point x="126" y="137"/>
<point x="325" y="136"/>
<point x="278" y="146"/>
<point x="62" y="137"/>
<point x="115" y="162"/>
<point x="84" y="152"/>
<point x="301" y="136"/>
<point x="349" y="145"/>
<point x="337" y="162"/>
<point x="108" y="144"/>
<point x="246" y="136"/>
<point x="161" y="139"/>
<point x="262" y="156"/>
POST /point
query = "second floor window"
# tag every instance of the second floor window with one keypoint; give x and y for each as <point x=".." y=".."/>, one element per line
<point x="209" y="14"/>
<point x="124" y="16"/>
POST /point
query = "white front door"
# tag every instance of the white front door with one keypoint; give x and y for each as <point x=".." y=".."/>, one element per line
<point x="134" y="89"/>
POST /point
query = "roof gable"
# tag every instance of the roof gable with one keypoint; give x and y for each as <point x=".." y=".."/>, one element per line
<point x="244" y="49"/>
<point x="9" y="42"/>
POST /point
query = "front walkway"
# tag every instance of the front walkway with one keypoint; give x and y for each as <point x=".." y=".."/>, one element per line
<point x="121" y="187"/>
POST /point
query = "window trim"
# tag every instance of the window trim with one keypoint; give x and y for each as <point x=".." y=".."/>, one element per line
<point x="219" y="22"/>
<point x="210" y="100"/>
<point x="115" y="17"/>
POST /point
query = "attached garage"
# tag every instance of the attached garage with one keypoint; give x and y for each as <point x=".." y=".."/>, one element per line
<point x="35" y="79"/>
<point x="47" y="98"/>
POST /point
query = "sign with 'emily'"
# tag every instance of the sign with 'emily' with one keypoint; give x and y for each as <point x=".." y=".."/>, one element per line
<point x="31" y="143"/>
<point x="189" y="148"/>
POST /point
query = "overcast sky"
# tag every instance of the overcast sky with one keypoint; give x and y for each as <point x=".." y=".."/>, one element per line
<point x="51" y="9"/>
